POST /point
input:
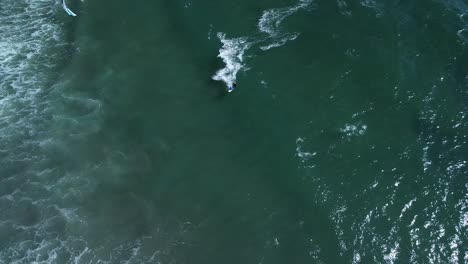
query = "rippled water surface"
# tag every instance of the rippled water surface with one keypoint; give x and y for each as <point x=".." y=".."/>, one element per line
<point x="344" y="141"/>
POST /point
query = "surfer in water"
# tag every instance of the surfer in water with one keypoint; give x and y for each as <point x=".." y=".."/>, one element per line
<point x="231" y="88"/>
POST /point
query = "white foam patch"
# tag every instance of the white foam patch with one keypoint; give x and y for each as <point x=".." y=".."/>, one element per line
<point x="351" y="130"/>
<point x="456" y="166"/>
<point x="407" y="207"/>
<point x="454" y="244"/>
<point x="304" y="156"/>
<point x="392" y="255"/>
<point x="281" y="41"/>
<point x="270" y="23"/>
<point x="426" y="162"/>
<point x="232" y="53"/>
<point x="271" y="19"/>
<point x="233" y="50"/>
<point x="356" y="258"/>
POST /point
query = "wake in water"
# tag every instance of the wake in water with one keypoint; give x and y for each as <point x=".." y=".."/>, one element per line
<point x="270" y="23"/>
<point x="233" y="50"/>
<point x="232" y="54"/>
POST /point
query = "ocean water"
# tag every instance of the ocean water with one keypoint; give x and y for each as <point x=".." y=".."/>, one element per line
<point x="345" y="140"/>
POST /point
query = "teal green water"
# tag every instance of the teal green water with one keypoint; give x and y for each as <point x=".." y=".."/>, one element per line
<point x="343" y="142"/>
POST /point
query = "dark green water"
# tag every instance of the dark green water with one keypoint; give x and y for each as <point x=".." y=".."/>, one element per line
<point x="343" y="142"/>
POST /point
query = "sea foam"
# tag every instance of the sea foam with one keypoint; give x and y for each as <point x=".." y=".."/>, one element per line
<point x="232" y="50"/>
<point x="232" y="54"/>
<point x="271" y="20"/>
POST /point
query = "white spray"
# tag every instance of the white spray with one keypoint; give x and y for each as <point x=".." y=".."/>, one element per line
<point x="232" y="51"/>
<point x="232" y="54"/>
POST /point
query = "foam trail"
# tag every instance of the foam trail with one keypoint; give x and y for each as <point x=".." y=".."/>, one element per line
<point x="271" y="20"/>
<point x="232" y="54"/>
<point x="232" y="51"/>
<point x="67" y="9"/>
